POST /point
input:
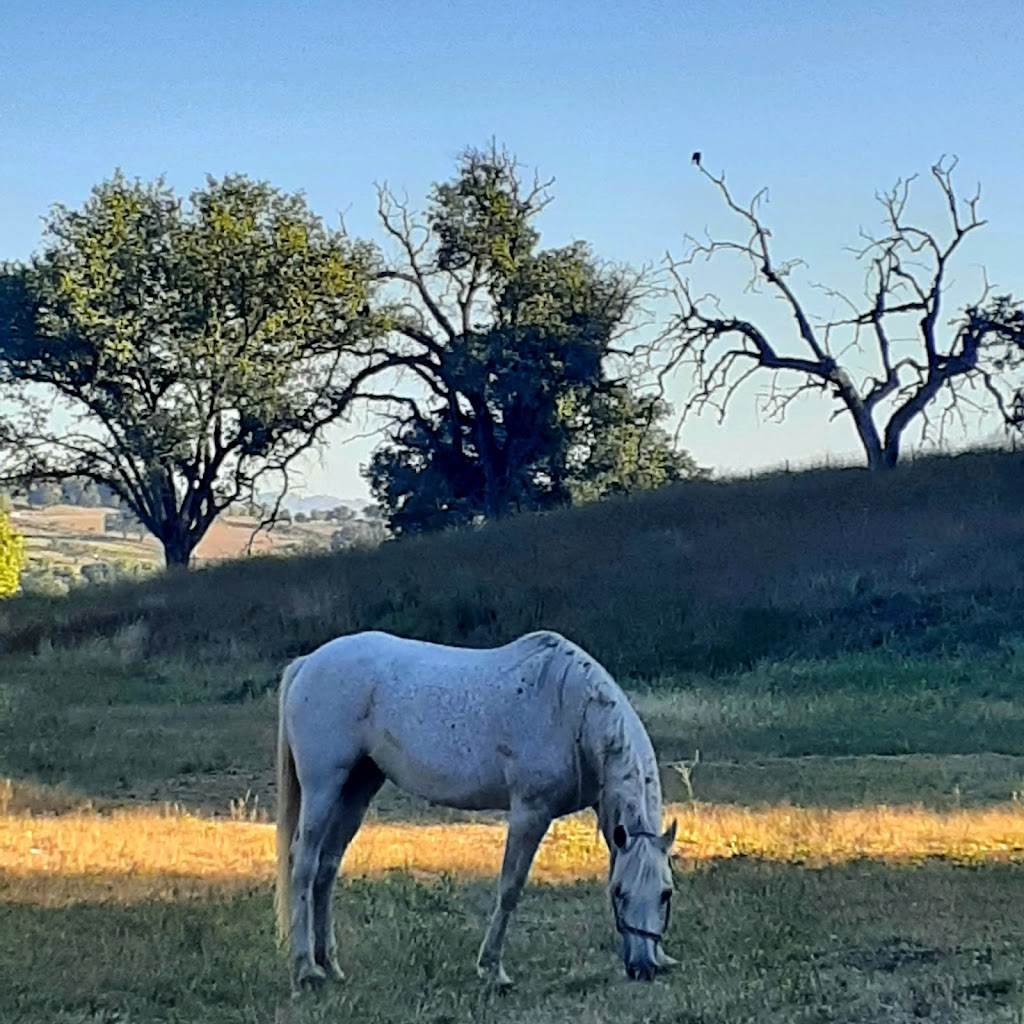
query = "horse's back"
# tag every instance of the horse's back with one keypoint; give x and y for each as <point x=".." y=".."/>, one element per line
<point x="456" y="725"/>
<point x="347" y="662"/>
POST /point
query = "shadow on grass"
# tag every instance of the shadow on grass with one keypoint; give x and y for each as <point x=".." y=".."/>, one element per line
<point x="759" y="941"/>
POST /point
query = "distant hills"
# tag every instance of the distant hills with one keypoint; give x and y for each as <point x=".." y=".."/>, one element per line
<point x="313" y="502"/>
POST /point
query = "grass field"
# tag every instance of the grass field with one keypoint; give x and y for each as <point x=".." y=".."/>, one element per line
<point x="845" y="652"/>
<point x="815" y="883"/>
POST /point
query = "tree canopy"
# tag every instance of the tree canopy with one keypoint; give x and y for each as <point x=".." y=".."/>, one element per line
<point x="514" y="348"/>
<point x="180" y="353"/>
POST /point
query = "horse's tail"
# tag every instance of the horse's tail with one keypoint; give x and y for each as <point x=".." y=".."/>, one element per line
<point x="288" y="797"/>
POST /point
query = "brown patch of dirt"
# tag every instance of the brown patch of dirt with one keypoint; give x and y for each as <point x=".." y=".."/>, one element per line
<point x="229" y="537"/>
<point x="56" y="520"/>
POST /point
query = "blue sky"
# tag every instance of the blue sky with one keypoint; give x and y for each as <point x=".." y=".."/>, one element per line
<point x="823" y="103"/>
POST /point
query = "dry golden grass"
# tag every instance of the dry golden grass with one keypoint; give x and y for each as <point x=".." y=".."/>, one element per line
<point x="136" y="855"/>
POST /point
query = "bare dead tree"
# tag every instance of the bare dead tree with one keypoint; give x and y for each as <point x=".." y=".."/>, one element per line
<point x="940" y="371"/>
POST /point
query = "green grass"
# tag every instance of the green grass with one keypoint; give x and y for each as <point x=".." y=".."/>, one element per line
<point x="944" y="732"/>
<point x="703" y="577"/>
<point x="759" y="943"/>
<point x="825" y="639"/>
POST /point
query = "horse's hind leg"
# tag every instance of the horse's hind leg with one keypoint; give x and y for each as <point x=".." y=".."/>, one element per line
<point x="361" y="786"/>
<point x="319" y="799"/>
<point x="526" y="828"/>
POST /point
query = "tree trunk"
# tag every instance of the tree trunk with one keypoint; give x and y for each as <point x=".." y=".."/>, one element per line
<point x="880" y="454"/>
<point x="179" y="543"/>
<point x="177" y="555"/>
<point x="867" y="432"/>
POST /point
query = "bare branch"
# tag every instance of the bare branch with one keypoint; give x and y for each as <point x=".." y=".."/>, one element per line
<point x="404" y="232"/>
<point x="907" y="267"/>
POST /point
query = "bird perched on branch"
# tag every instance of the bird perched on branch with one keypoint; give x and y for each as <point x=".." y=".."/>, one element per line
<point x="696" y="158"/>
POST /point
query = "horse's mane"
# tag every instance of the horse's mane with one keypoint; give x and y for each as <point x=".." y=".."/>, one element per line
<point x="608" y="725"/>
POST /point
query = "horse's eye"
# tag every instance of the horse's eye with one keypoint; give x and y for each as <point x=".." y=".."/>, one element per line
<point x="617" y="893"/>
<point x="666" y="896"/>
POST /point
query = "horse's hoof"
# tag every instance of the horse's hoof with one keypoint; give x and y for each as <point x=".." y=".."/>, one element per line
<point x="495" y="976"/>
<point x="309" y="977"/>
<point x="334" y="971"/>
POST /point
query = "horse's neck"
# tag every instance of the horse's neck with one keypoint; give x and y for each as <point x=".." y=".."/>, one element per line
<point x="630" y="790"/>
<point x="619" y="752"/>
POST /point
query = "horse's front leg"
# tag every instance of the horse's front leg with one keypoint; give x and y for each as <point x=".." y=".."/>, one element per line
<point x="526" y="828"/>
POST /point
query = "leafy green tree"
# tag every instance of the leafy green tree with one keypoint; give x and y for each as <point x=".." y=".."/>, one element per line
<point x="515" y="350"/>
<point x="620" y="447"/>
<point x="12" y="555"/>
<point x="191" y="349"/>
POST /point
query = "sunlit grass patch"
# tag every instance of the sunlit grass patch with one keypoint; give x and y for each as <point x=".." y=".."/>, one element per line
<point x="135" y="855"/>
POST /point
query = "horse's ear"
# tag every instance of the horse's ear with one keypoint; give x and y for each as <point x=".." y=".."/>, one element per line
<point x="619" y="837"/>
<point x="668" y="839"/>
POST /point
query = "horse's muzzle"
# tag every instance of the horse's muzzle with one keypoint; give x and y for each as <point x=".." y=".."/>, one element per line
<point x="641" y="969"/>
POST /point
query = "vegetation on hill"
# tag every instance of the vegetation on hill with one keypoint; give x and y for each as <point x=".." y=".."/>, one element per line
<point x="184" y="355"/>
<point x="705" y="576"/>
<point x="197" y="350"/>
<point x="12" y="555"/>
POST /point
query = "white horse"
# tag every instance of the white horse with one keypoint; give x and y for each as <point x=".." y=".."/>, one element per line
<point x="537" y="728"/>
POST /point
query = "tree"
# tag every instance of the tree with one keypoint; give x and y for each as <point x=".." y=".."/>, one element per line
<point x="620" y="448"/>
<point x="512" y="347"/>
<point x="915" y="361"/>
<point x="45" y="494"/>
<point x="12" y="554"/>
<point x="124" y="522"/>
<point x="191" y="351"/>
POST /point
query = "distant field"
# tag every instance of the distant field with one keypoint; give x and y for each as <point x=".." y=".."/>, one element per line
<point x="73" y="536"/>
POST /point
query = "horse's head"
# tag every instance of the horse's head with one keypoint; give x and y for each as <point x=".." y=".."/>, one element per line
<point x="641" y="892"/>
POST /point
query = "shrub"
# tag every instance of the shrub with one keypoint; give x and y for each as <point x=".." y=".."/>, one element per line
<point x="12" y="556"/>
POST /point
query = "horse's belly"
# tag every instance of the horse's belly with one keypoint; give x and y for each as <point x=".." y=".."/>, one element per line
<point x="447" y="777"/>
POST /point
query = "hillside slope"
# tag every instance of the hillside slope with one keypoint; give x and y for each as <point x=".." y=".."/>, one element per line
<point x="706" y="577"/>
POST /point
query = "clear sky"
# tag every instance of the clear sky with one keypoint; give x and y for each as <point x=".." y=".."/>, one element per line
<point x="822" y="102"/>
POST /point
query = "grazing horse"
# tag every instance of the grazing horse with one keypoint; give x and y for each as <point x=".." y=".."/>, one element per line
<point x="537" y="728"/>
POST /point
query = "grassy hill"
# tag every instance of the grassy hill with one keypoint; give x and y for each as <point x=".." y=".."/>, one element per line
<point x="828" y="614"/>
<point x="704" y="577"/>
